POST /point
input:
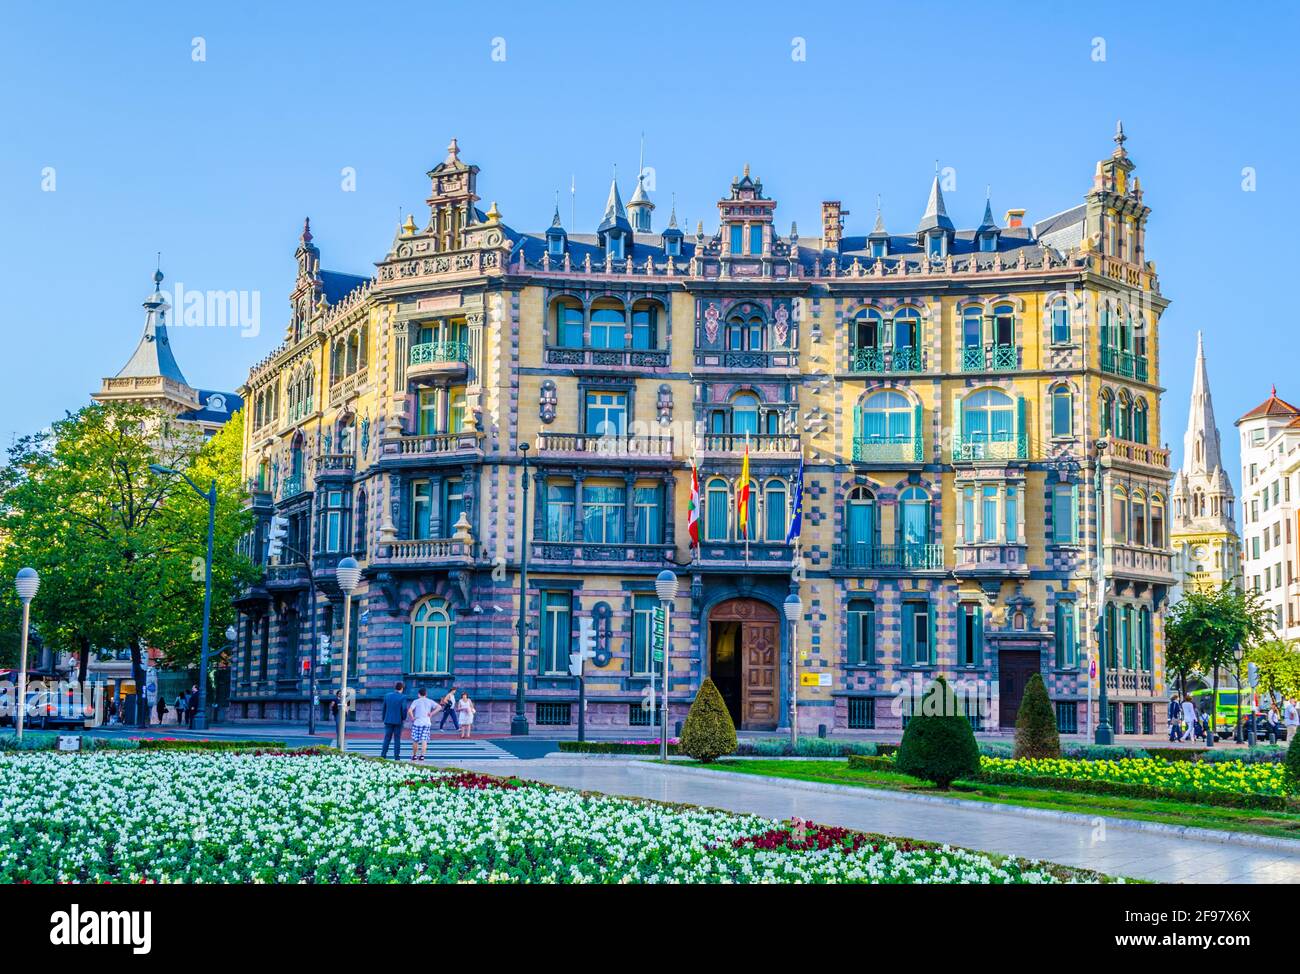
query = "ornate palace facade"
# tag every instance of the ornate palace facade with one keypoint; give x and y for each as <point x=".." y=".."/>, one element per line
<point x="946" y="390"/>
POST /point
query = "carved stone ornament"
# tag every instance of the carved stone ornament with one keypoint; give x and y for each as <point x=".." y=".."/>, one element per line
<point x="711" y="316"/>
<point x="547" y="399"/>
<point x="665" y="404"/>
<point x="782" y="324"/>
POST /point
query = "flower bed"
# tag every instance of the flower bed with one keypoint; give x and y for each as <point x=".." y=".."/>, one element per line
<point x="1201" y="778"/>
<point x="227" y="817"/>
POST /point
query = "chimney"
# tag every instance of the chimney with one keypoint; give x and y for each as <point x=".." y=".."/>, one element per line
<point x="832" y="225"/>
<point x="1015" y="218"/>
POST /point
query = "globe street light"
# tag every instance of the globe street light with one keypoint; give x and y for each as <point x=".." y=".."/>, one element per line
<point x="348" y="574"/>
<point x="209" y="495"/>
<point x="27" y="583"/>
<point x="666" y="589"/>
<point x="793" y="613"/>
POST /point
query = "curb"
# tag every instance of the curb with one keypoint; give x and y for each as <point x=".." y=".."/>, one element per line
<point x="1291" y="846"/>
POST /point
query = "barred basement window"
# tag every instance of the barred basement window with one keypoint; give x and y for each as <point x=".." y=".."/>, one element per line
<point x="1148" y="727"/>
<point x="1130" y="718"/>
<point x="638" y="716"/>
<point x="862" y="713"/>
<point x="1067" y="717"/>
<point x="554" y="714"/>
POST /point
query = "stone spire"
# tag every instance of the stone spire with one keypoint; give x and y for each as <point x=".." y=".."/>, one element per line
<point x="936" y="213"/>
<point x="615" y="215"/>
<point x="1201" y="454"/>
<point x="153" y="356"/>
<point x="640" y="208"/>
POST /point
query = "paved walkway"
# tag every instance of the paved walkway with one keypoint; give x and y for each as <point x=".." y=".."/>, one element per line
<point x="455" y="751"/>
<point x="1139" y="855"/>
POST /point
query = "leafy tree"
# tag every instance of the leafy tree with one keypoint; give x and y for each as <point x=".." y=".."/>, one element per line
<point x="1036" y="733"/>
<point x="1211" y="627"/>
<point x="938" y="744"/>
<point x="709" y="731"/>
<point x="1278" y="662"/>
<point x="1291" y="768"/>
<point x="1181" y="658"/>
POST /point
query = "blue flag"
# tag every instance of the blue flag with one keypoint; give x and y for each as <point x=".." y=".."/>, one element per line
<point x="796" y="516"/>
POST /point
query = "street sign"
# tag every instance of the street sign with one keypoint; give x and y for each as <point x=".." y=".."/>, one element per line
<point x="658" y="633"/>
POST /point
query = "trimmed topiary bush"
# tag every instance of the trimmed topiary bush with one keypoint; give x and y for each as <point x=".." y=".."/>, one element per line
<point x="938" y="744"/>
<point x="1291" y="773"/>
<point x="708" y="733"/>
<point x="1036" y="734"/>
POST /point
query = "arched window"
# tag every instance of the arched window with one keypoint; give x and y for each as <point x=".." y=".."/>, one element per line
<point x="1145" y="637"/>
<point x="1062" y="411"/>
<point x="1119" y="516"/>
<point x="988" y="416"/>
<point x="645" y="324"/>
<point x="296" y="457"/>
<point x="1123" y="417"/>
<point x="907" y="339"/>
<point x="868" y="330"/>
<point x="1111" y="633"/>
<point x="336" y="361"/>
<point x="913" y="517"/>
<point x="567" y="323"/>
<point x="717" y="502"/>
<point x="360" y="540"/>
<point x="1139" y="518"/>
<point x="1004" y="325"/>
<point x="363" y="356"/>
<point x="346" y="442"/>
<point x="1106" y="412"/>
<point x="1125" y="330"/>
<point x="431" y="629"/>
<point x="774" y="513"/>
<point x="972" y="327"/>
<point x="861" y="526"/>
<point x="1140" y="421"/>
<point x="744" y="414"/>
<point x="1157" y="521"/>
<point x="1060" y="322"/>
<point x="354" y="351"/>
<point x="746" y="329"/>
<point x="607" y="324"/>
<point x="886" y="418"/>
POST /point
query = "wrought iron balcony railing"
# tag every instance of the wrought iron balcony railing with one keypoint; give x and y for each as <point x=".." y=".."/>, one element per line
<point x="887" y="449"/>
<point x="292" y="486"/>
<point x="1124" y="364"/>
<point x="1009" y="447"/>
<point x="431" y="352"/>
<point x="992" y="358"/>
<point x="640" y="358"/>
<point x="593" y="551"/>
<point x="877" y="361"/>
<point x="887" y="557"/>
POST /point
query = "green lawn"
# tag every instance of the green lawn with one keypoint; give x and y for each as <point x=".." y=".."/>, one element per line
<point x="1171" y="812"/>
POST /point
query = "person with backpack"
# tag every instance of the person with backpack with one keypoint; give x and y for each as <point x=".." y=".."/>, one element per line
<point x="448" y="707"/>
<point x="1175" y="719"/>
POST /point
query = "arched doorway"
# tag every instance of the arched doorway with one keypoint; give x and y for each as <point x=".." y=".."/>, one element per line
<point x="744" y="648"/>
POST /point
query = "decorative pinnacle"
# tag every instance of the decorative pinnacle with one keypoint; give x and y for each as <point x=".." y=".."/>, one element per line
<point x="306" y="230"/>
<point x="453" y="151"/>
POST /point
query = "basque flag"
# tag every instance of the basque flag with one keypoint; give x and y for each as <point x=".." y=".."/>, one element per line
<point x="796" y="515"/>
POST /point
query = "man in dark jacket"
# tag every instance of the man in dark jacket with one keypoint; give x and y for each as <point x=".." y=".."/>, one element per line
<point x="1175" y="718"/>
<point x="394" y="712"/>
<point x="192" y="706"/>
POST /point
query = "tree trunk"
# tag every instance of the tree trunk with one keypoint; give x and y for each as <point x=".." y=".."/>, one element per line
<point x="137" y="674"/>
<point x="83" y="658"/>
<point x="1212" y="725"/>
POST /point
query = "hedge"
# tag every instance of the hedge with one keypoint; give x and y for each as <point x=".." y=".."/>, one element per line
<point x="49" y="741"/>
<point x="181" y="744"/>
<point x="614" y="747"/>
<point x="869" y="762"/>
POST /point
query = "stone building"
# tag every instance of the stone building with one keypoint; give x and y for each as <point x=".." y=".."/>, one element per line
<point x="945" y="389"/>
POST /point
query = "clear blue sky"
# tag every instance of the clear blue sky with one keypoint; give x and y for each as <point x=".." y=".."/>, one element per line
<point x="215" y="163"/>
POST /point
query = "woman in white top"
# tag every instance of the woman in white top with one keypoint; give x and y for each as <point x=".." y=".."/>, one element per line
<point x="465" y="714"/>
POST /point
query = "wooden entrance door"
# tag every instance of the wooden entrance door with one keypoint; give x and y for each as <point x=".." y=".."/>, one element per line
<point x="760" y="651"/>
<point x="1015" y="667"/>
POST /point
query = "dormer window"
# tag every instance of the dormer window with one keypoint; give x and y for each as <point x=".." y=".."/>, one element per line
<point x="988" y="243"/>
<point x="879" y="248"/>
<point x="555" y="245"/>
<point x="673" y="246"/>
<point x="936" y="245"/>
<point x="616" y="246"/>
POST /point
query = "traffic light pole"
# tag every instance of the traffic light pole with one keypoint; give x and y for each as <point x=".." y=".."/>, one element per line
<point x="311" y="656"/>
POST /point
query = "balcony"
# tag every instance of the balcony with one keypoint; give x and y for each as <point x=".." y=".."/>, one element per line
<point x="990" y="358"/>
<point x="590" y="553"/>
<point x="621" y="446"/>
<point x="1137" y="454"/>
<point x="615" y="358"/>
<point x="292" y="486"/>
<point x="878" y="449"/>
<point x="756" y="556"/>
<point x="411" y="450"/>
<point x="438" y="358"/>
<point x="335" y="463"/>
<point x="424" y="552"/>
<point x="1124" y="364"/>
<point x="881" y="361"/>
<point x="345" y="389"/>
<point x="990" y="558"/>
<point x="1003" y="448"/>
<point x="299" y="411"/>
<point x="886" y="558"/>
<point x="774" y="445"/>
<point x="1128" y="681"/>
<point x="288" y="576"/>
<point x="1143" y="564"/>
<point x="782" y="358"/>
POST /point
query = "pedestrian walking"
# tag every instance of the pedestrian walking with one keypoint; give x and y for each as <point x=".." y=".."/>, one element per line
<point x="1291" y="716"/>
<point x="394" y="711"/>
<point x="465" y="711"/>
<point x="162" y="708"/>
<point x="1189" y="718"/>
<point x="192" y="706"/>
<point x="421" y="714"/>
<point x="180" y="708"/>
<point x="1175" y="717"/>
<point x="448" y="707"/>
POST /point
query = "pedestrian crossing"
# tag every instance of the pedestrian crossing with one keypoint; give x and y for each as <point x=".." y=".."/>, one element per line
<point x="449" y="750"/>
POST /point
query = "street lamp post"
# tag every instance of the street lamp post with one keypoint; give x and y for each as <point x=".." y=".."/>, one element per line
<point x="519" y="723"/>
<point x="1103" y="733"/>
<point x="666" y="589"/>
<point x="793" y="613"/>
<point x="348" y="575"/>
<point x="27" y="583"/>
<point x="209" y="495"/>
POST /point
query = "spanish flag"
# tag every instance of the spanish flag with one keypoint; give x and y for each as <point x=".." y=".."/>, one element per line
<point x="742" y="506"/>
<point x="693" y="511"/>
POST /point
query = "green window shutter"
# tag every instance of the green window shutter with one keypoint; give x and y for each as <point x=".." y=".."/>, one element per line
<point x="958" y="427"/>
<point x="1022" y="427"/>
<point x="857" y="422"/>
<point x="917" y="436"/>
<point x="930" y="631"/>
<point x="978" y="655"/>
<point x="909" y="635"/>
<point x="406" y="647"/>
<point x="869" y="647"/>
<point x="855" y="636"/>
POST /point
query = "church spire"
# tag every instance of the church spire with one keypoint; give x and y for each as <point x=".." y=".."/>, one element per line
<point x="153" y="355"/>
<point x="1201" y="452"/>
